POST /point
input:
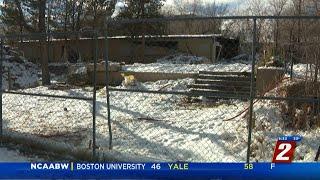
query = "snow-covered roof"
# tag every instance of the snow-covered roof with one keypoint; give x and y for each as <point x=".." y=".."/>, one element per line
<point x="172" y="36"/>
<point x="197" y="36"/>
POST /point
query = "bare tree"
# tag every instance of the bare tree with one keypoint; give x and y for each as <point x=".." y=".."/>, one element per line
<point x="187" y="7"/>
<point x="258" y="8"/>
<point x="277" y="8"/>
<point x="316" y="6"/>
<point x="200" y="8"/>
<point x="79" y="14"/>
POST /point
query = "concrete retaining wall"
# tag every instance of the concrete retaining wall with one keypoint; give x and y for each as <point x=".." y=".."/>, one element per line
<point x="120" y="49"/>
<point x="116" y="78"/>
<point x="268" y="78"/>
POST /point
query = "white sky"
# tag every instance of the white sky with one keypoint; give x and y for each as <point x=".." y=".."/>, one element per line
<point x="231" y="3"/>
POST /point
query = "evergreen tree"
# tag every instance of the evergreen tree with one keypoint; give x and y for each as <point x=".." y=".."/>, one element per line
<point x="96" y="12"/>
<point x="143" y="9"/>
<point x="9" y="14"/>
<point x="13" y="16"/>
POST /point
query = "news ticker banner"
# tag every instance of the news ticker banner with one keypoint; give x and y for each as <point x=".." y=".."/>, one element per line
<point x="281" y="167"/>
<point x="160" y="170"/>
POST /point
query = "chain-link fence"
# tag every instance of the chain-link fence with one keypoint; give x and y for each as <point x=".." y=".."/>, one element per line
<point x="214" y="89"/>
<point x="290" y="106"/>
<point x="199" y="89"/>
<point x="47" y="98"/>
<point x="182" y="83"/>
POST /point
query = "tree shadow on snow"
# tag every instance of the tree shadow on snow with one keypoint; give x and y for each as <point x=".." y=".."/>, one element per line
<point x="159" y="149"/>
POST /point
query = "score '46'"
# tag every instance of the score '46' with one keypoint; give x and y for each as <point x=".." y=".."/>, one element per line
<point x="156" y="166"/>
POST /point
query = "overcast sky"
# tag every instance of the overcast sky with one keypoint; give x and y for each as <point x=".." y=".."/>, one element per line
<point x="218" y="1"/>
<point x="233" y="2"/>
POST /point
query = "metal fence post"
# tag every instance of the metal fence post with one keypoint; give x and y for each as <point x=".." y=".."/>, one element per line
<point x="48" y="46"/>
<point x="291" y="66"/>
<point x="252" y="95"/>
<point x="106" y="56"/>
<point x="94" y="95"/>
<point x="317" y="155"/>
<point x="1" y="73"/>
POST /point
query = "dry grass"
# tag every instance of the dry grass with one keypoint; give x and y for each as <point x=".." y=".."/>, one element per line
<point x="300" y="114"/>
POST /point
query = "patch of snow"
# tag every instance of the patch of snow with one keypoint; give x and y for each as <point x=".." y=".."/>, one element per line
<point x="270" y="67"/>
<point x="183" y="59"/>
<point x="269" y="125"/>
<point x="23" y="73"/>
<point x="301" y="70"/>
<point x="180" y="63"/>
<point x="188" y="68"/>
<point x="170" y="85"/>
<point x="161" y="85"/>
<point x="119" y="7"/>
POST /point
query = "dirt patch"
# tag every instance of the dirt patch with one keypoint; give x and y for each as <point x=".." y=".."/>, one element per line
<point x="201" y="102"/>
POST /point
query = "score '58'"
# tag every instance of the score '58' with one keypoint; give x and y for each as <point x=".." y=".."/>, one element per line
<point x="248" y="166"/>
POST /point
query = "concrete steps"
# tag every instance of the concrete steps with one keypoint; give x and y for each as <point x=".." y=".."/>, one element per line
<point x="223" y="77"/>
<point x="222" y="82"/>
<point x="222" y="85"/>
<point x="225" y="73"/>
<point x="219" y="87"/>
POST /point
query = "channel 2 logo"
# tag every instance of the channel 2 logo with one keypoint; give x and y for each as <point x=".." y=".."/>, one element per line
<point x="284" y="149"/>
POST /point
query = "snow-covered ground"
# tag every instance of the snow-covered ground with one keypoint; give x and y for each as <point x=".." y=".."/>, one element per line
<point x="301" y="70"/>
<point x="162" y="127"/>
<point x="192" y="64"/>
<point x="240" y="66"/>
<point x="154" y="126"/>
<point x="157" y="128"/>
<point x="270" y="125"/>
<point x="145" y="126"/>
<point x="183" y="59"/>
